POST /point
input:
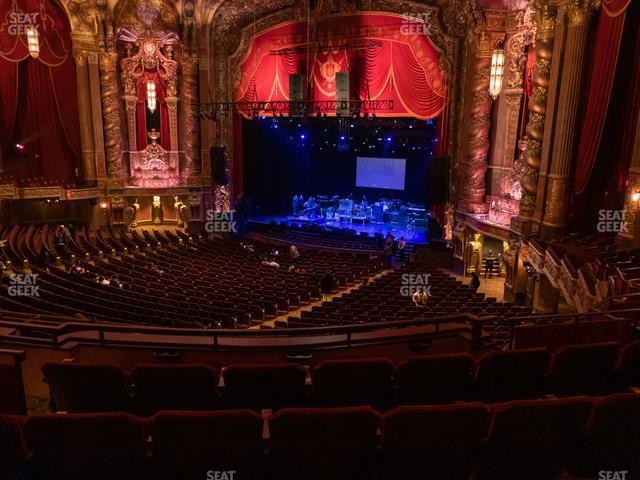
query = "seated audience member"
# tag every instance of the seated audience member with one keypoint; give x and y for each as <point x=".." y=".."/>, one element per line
<point x="420" y="298"/>
<point x="294" y="254"/>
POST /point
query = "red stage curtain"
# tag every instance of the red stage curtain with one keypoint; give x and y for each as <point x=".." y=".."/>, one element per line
<point x="387" y="56"/>
<point x="605" y="59"/>
<point x="8" y="101"/>
<point x="141" y="121"/>
<point x="43" y="90"/>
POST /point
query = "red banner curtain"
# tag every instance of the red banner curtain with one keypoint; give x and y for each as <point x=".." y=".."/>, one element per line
<point x="605" y="59"/>
<point x="43" y="90"/>
<point x="388" y="57"/>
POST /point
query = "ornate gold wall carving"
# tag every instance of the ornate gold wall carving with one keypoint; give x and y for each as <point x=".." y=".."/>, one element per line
<point x="475" y="164"/>
<point x="546" y="18"/>
<point x="111" y="114"/>
<point x="190" y="120"/>
<point x="160" y="15"/>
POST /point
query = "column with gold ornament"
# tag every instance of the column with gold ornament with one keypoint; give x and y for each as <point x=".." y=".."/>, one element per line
<point x="545" y="19"/>
<point x="97" y="117"/>
<point x="111" y="116"/>
<point x="190" y="122"/>
<point x="557" y="198"/>
<point x="473" y="187"/>
<point x="86" y="121"/>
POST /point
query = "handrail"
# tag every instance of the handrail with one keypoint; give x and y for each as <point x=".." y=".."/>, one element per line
<point x="18" y="355"/>
<point x="51" y="334"/>
<point x="71" y="326"/>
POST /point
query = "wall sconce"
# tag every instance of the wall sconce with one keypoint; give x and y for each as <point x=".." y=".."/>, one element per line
<point x="32" y="42"/>
<point x="151" y="96"/>
<point x="104" y="205"/>
<point x="635" y="196"/>
<point x="497" y="70"/>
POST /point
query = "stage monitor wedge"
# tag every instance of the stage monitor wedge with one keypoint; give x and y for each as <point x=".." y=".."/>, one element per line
<point x="343" y="93"/>
<point x="438" y="186"/>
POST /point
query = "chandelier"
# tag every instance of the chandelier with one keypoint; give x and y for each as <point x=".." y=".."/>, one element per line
<point x="497" y="70"/>
<point x="151" y="96"/>
<point x="33" y="42"/>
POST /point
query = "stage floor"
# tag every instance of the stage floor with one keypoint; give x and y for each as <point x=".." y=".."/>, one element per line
<point x="417" y="235"/>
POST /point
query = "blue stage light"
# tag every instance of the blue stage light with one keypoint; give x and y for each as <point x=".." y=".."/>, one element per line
<point x="342" y="137"/>
<point x="388" y="139"/>
<point x="302" y="136"/>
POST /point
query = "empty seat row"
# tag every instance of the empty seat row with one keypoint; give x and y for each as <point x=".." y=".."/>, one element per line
<point x="498" y="376"/>
<point x="528" y="440"/>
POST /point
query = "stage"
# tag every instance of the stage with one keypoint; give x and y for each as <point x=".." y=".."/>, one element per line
<point x="417" y="235"/>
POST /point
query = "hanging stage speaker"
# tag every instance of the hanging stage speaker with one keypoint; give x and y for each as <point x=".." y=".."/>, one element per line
<point x="439" y="180"/>
<point x="343" y="93"/>
<point x="297" y="92"/>
<point x="218" y="163"/>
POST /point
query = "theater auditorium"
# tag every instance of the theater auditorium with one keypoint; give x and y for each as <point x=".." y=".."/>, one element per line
<point x="319" y="239"/>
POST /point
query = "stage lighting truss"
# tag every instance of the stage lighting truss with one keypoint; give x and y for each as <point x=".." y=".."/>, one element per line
<point x="211" y="111"/>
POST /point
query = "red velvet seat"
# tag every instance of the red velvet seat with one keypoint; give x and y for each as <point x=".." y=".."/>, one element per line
<point x="186" y="445"/>
<point x="583" y="369"/>
<point x="174" y="387"/>
<point x="612" y="437"/>
<point x="12" y="399"/>
<point x="103" y="446"/>
<point x="335" y="443"/>
<point x="439" y="442"/>
<point x="86" y="387"/>
<point x="13" y="452"/>
<point x="264" y="386"/>
<point x="511" y="375"/>
<point x="353" y="382"/>
<point x="434" y="379"/>
<point x="533" y="439"/>
<point x="628" y="368"/>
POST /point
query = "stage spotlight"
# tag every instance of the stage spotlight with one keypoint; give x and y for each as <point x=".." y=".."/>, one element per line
<point x="302" y="136"/>
<point x="388" y="139"/>
<point x="342" y="137"/>
<point x="20" y="147"/>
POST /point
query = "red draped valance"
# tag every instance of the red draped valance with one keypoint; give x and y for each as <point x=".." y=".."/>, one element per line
<point x="389" y="57"/>
<point x="38" y="99"/>
<point x="16" y="16"/>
